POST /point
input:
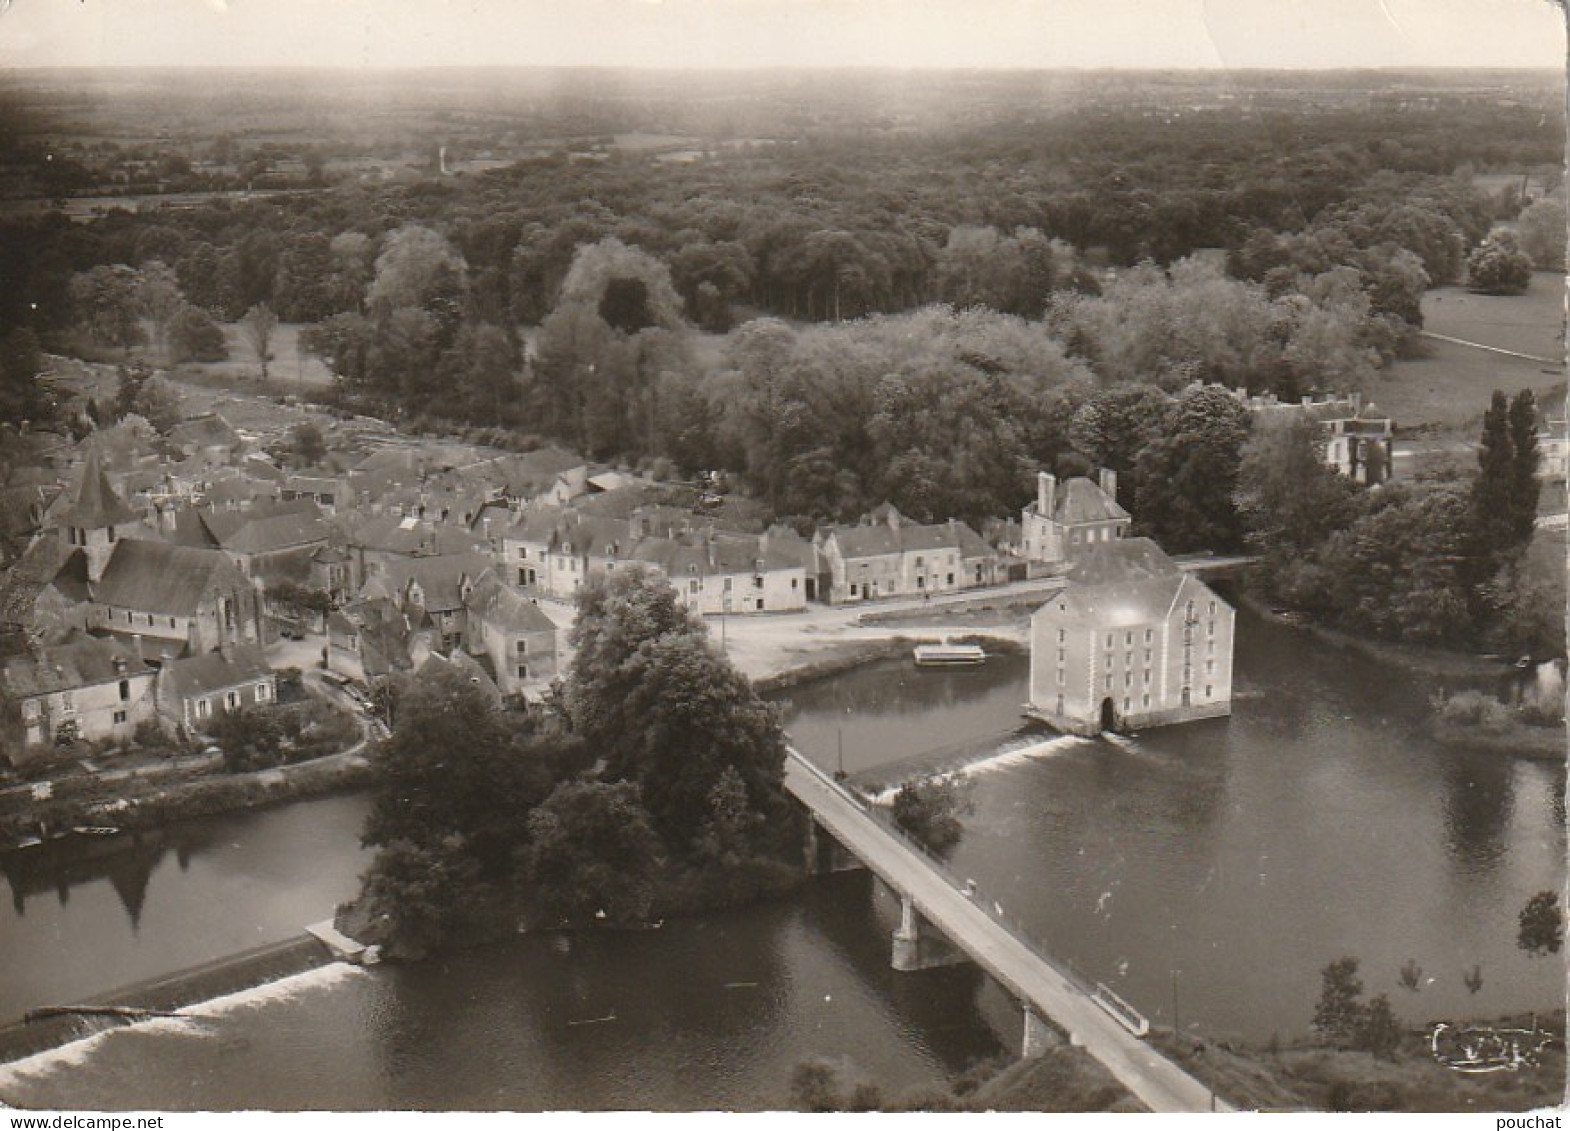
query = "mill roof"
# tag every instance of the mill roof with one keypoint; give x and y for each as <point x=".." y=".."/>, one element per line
<point x="1124" y="582"/>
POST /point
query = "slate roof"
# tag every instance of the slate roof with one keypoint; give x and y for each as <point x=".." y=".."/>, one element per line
<point x="877" y="539"/>
<point x="590" y="535"/>
<point x="408" y="536"/>
<point x="239" y="489"/>
<point x="214" y="671"/>
<point x="385" y="634"/>
<point x="77" y="662"/>
<point x="1129" y="581"/>
<point x="439" y="579"/>
<point x="465" y="667"/>
<point x="496" y="603"/>
<point x="1080" y="500"/>
<point x="272" y="533"/>
<point x="90" y="502"/>
<point x="157" y="577"/>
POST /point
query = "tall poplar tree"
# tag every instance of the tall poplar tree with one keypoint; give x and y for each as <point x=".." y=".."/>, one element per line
<point x="1526" y="458"/>
<point x="1493" y="491"/>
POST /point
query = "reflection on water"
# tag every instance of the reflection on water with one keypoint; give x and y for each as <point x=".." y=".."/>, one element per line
<point x="87" y="917"/>
<point x="1232" y="858"/>
<point x="707" y="1013"/>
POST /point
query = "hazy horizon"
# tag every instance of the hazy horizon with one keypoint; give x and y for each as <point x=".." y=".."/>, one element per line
<point x="728" y="35"/>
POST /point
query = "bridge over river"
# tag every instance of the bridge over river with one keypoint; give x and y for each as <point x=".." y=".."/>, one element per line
<point x="932" y="899"/>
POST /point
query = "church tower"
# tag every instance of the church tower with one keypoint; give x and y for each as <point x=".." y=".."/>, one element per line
<point x="91" y="517"/>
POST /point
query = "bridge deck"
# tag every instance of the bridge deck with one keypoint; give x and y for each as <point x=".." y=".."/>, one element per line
<point x="1158" y="1083"/>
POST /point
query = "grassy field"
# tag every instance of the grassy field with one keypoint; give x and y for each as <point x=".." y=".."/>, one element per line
<point x="1448" y="385"/>
<point x="289" y="365"/>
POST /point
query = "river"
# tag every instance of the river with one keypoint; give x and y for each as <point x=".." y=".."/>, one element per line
<point x="1214" y="868"/>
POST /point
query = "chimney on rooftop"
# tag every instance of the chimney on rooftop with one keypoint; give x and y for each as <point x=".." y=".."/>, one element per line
<point x="1109" y="483"/>
<point x="1046" y="493"/>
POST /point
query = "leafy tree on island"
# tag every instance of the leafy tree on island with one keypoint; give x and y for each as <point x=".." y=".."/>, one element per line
<point x="592" y="853"/>
<point x="1289" y="499"/>
<point x="669" y="713"/>
<point x="930" y="810"/>
<point x="456" y="766"/>
<point x="1505" y="492"/>
<point x="418" y="893"/>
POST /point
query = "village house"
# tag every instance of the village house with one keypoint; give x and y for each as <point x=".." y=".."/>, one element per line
<point x="194" y="690"/>
<point x="271" y="546"/>
<point x="189" y="600"/>
<point x="888" y="555"/>
<point x="372" y="543"/>
<point x="516" y="641"/>
<point x="553" y="551"/>
<point x="718" y="573"/>
<point x="1132" y="641"/>
<point x="331" y="572"/>
<point x="81" y="688"/>
<point x="327" y="492"/>
<point x="437" y="666"/>
<point x="434" y="586"/>
<point x="370" y="640"/>
<point x="1067" y="519"/>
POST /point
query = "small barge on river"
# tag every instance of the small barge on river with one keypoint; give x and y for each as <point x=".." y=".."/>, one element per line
<point x="949" y="655"/>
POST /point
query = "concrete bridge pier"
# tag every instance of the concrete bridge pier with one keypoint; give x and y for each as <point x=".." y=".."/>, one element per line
<point x="1039" y="1036"/>
<point x="824" y="854"/>
<point x="918" y="945"/>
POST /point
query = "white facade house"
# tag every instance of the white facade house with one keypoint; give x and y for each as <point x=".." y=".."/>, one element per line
<point x="1131" y="642"/>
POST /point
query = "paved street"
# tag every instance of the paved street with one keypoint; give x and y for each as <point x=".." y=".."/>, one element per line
<point x="1158" y="1083"/>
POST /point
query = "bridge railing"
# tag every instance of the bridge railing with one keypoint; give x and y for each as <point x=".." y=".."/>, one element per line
<point x="985" y="903"/>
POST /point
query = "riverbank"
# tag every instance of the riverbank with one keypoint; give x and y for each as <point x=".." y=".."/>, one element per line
<point x="160" y="803"/>
<point x="1541" y="743"/>
<point x="1414" y="659"/>
<point x="1313" y="1077"/>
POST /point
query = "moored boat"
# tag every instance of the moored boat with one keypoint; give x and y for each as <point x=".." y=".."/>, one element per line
<point x="949" y="655"/>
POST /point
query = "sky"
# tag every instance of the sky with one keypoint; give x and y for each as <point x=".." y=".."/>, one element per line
<point x="1179" y="34"/>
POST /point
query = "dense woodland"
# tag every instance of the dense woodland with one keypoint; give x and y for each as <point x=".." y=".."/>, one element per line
<point x="858" y="315"/>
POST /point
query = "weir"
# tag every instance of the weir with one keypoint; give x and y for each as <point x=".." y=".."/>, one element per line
<point x="50" y="1028"/>
<point x="938" y="916"/>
